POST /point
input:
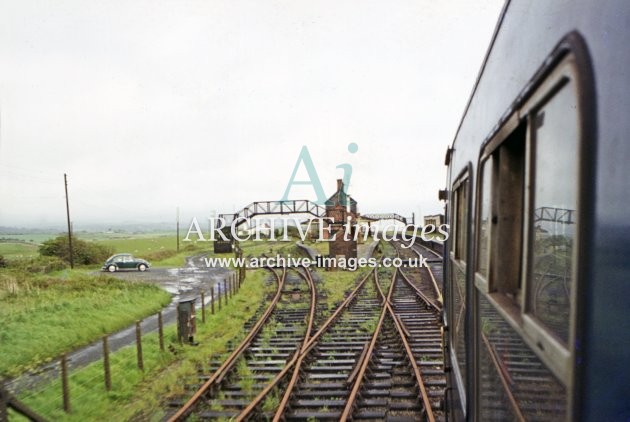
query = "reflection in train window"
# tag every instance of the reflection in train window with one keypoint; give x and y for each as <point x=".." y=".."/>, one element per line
<point x="461" y="198"/>
<point x="555" y="175"/>
<point x="484" y="219"/>
<point x="514" y="382"/>
<point x="458" y="275"/>
<point x="458" y="318"/>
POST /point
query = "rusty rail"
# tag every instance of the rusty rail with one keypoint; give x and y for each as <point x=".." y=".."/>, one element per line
<point x="412" y="359"/>
<point x="218" y="375"/>
<point x="312" y="342"/>
<point x="433" y="280"/>
<point x="246" y="413"/>
<point x="298" y="363"/>
<point x="429" y="301"/>
<point x="294" y="361"/>
<point x="437" y="255"/>
<point x="421" y="295"/>
<point x="298" y="357"/>
<point x="364" y="361"/>
<point x="347" y="413"/>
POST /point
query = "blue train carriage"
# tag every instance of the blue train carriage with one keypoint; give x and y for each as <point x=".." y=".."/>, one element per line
<point x="538" y="199"/>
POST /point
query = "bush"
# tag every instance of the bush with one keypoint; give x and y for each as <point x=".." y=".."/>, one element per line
<point x="41" y="264"/>
<point x="3" y="263"/>
<point x="85" y="253"/>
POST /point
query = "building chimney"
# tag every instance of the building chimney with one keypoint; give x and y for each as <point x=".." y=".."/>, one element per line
<point x="339" y="185"/>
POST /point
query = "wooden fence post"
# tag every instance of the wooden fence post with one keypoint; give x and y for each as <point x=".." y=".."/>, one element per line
<point x="139" y="346"/>
<point x="106" y="368"/>
<point x="64" y="383"/>
<point x="212" y="299"/>
<point x="161" y="330"/>
<point x="203" y="307"/>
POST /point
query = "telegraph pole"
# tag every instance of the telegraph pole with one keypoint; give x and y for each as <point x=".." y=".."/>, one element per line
<point x="65" y="182"/>
<point x="177" y="229"/>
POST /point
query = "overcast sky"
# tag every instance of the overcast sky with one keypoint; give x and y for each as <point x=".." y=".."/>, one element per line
<point x="205" y="105"/>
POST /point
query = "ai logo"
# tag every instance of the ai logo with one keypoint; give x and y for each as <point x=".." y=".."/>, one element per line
<point x="313" y="178"/>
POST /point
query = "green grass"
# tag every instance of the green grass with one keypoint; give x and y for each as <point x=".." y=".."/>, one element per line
<point x="14" y="249"/>
<point x="138" y="395"/>
<point x="158" y="248"/>
<point x="141" y="244"/>
<point x="370" y="324"/>
<point x="324" y="247"/>
<point x="245" y="375"/>
<point x="45" y="315"/>
<point x="272" y="401"/>
<point x="387" y="249"/>
<point x="321" y="247"/>
<point x="267" y="247"/>
<point x="36" y="238"/>
<point x="337" y="283"/>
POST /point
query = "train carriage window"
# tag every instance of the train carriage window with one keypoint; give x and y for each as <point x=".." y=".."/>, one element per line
<point x="527" y="251"/>
<point x="485" y="218"/>
<point x="500" y="237"/>
<point x="459" y="220"/>
<point x="460" y="235"/>
<point x="554" y="142"/>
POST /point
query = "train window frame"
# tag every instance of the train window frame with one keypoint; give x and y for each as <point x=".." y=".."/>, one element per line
<point x="459" y="259"/>
<point x="564" y="76"/>
<point x="482" y="282"/>
<point x="556" y="356"/>
<point x="509" y="295"/>
<point x="456" y="254"/>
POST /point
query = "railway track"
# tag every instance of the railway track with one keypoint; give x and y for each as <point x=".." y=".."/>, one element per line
<point x="435" y="262"/>
<point x="378" y="356"/>
<point x="402" y="378"/>
<point x="421" y="277"/>
<point x="229" y="386"/>
<point x="422" y="326"/>
<point x="328" y="366"/>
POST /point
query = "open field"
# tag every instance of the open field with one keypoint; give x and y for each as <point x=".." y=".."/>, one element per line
<point x="35" y="238"/>
<point x="14" y="249"/>
<point x="139" y="244"/>
<point x="26" y="245"/>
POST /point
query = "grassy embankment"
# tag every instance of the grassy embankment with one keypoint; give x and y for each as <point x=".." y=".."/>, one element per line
<point x="140" y="395"/>
<point x="87" y="394"/>
<point x="44" y="315"/>
<point x="47" y="309"/>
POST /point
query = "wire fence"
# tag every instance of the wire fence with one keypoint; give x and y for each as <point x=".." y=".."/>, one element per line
<point x="117" y="355"/>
